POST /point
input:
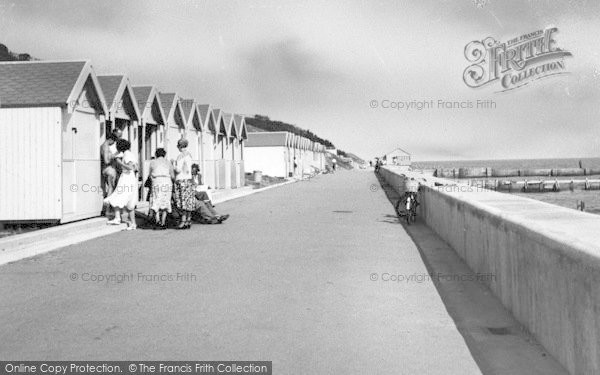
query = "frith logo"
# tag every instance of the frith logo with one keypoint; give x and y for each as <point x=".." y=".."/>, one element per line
<point x="515" y="63"/>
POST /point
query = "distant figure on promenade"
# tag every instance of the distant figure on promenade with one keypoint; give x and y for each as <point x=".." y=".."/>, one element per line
<point x="184" y="190"/>
<point x="334" y="165"/>
<point x="125" y="194"/>
<point x="162" y="174"/>
<point x="295" y="166"/>
<point x="205" y="210"/>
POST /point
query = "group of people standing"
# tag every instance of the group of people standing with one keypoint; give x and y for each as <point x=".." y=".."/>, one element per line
<point x="171" y="183"/>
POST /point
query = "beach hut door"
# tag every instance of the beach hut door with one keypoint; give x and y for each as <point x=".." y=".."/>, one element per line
<point x="82" y="196"/>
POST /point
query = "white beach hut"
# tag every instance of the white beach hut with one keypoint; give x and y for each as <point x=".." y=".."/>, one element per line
<point x="209" y="136"/>
<point x="272" y="153"/>
<point x="152" y="127"/>
<point x="193" y="132"/>
<point x="175" y="122"/>
<point x="229" y="151"/>
<point x="220" y="145"/>
<point x="51" y="127"/>
<point x="123" y="110"/>
<point x="242" y="135"/>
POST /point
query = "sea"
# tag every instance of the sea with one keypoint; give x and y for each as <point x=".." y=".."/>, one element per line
<point x="565" y="197"/>
<point x="510" y="163"/>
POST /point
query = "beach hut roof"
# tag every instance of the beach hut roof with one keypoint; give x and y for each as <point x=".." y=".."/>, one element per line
<point x="172" y="107"/>
<point x="190" y="111"/>
<point x="235" y="127"/>
<point x="397" y="151"/>
<point x="149" y="103"/>
<point x="219" y="121"/>
<point x="207" y="117"/>
<point x="48" y="83"/>
<point x="118" y="91"/>
<point x="268" y="139"/>
<point x="240" y="122"/>
<point x="228" y="120"/>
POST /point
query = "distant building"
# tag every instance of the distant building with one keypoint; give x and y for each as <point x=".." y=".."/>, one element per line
<point x="282" y="154"/>
<point x="397" y="157"/>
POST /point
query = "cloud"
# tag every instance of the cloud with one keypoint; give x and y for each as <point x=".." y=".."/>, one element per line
<point x="79" y="15"/>
<point x="285" y="71"/>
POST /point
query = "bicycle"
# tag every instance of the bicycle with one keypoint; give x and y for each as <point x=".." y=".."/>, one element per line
<point x="410" y="203"/>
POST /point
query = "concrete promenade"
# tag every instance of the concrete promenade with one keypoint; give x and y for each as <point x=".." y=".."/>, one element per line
<point x="288" y="278"/>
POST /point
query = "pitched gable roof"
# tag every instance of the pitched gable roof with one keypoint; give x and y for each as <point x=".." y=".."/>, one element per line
<point x="206" y="115"/>
<point x="187" y="105"/>
<point x="149" y="103"/>
<point x="172" y="105"/>
<point x="47" y="83"/>
<point x="168" y="101"/>
<point x="110" y="85"/>
<point x="242" y="131"/>
<point x="218" y="114"/>
<point x="234" y="127"/>
<point x="142" y="94"/>
<point x="119" y="95"/>
<point x="228" y="120"/>
<point x="397" y="150"/>
<point x="190" y="111"/>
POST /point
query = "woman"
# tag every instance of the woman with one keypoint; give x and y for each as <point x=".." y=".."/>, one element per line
<point x="126" y="192"/>
<point x="162" y="175"/>
<point x="184" y="190"/>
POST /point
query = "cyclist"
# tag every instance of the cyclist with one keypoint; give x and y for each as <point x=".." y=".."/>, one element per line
<point x="412" y="187"/>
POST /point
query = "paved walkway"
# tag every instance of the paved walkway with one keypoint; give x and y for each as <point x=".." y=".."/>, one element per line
<point x="288" y="278"/>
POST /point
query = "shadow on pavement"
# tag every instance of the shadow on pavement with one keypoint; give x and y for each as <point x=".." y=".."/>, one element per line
<point x="498" y="342"/>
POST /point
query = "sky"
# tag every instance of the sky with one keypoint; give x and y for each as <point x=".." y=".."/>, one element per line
<point x="333" y="67"/>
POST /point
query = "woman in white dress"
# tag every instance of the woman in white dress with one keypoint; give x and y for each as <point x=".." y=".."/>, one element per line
<point x="125" y="195"/>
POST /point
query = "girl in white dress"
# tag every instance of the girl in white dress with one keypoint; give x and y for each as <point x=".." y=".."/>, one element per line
<point x="126" y="192"/>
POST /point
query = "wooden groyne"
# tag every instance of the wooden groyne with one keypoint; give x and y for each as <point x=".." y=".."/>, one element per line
<point x="512" y="172"/>
<point x="538" y="185"/>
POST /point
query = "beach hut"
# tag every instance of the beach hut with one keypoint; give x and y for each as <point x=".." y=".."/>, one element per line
<point x="229" y="150"/>
<point x="123" y="111"/>
<point x="51" y="127"/>
<point x="270" y="152"/>
<point x="209" y="135"/>
<point x="193" y="129"/>
<point x="151" y="129"/>
<point x="220" y="145"/>
<point x="175" y="122"/>
<point x="242" y="135"/>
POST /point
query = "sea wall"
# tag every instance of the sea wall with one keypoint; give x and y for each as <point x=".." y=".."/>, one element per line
<point x="545" y="260"/>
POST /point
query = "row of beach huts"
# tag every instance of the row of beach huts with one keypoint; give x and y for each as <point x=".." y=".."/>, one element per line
<point x="54" y="116"/>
